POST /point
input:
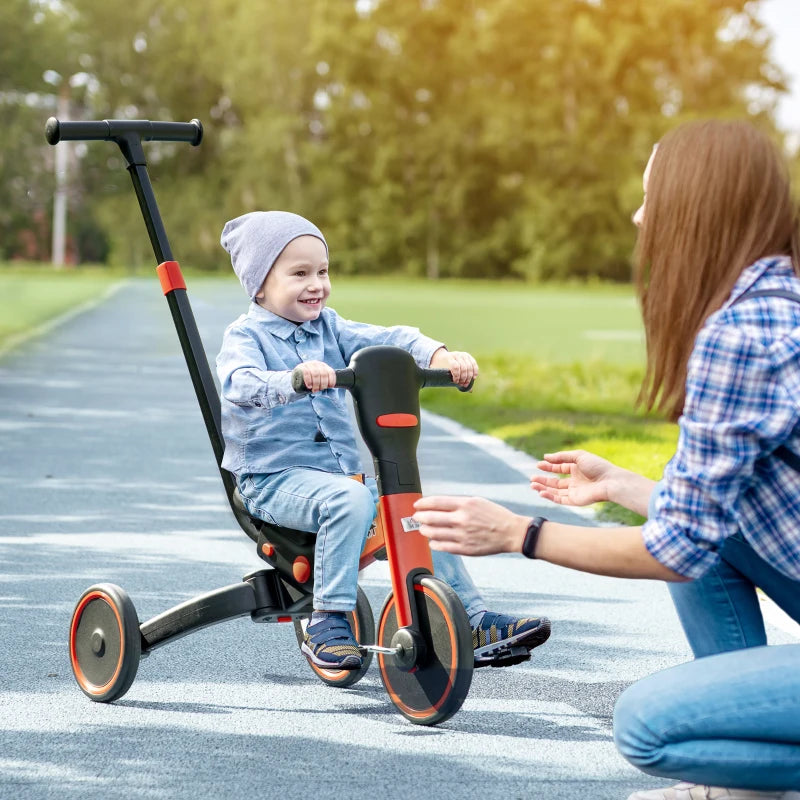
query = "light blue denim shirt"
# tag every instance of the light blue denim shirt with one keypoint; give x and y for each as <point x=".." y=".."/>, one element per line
<point x="267" y="426"/>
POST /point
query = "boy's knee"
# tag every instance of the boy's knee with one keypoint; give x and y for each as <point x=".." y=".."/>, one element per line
<point x="359" y="502"/>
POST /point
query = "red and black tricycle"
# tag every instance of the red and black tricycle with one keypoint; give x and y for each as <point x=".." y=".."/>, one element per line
<point x="423" y="642"/>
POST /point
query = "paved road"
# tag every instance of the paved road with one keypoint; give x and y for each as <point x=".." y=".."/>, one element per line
<point x="106" y="474"/>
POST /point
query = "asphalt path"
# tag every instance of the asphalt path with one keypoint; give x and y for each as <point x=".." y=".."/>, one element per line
<point x="107" y="476"/>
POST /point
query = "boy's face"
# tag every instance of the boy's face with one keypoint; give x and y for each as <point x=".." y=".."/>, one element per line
<point x="298" y="285"/>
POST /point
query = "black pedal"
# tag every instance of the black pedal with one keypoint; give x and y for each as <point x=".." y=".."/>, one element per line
<point x="505" y="658"/>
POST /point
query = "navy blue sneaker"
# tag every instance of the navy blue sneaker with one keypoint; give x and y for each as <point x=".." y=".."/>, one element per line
<point x="330" y="644"/>
<point x="498" y="633"/>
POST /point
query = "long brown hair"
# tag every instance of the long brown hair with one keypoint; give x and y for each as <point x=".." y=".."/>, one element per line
<point x="718" y="199"/>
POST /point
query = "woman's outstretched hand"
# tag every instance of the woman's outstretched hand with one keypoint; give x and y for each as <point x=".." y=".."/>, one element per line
<point x="469" y="526"/>
<point x="590" y="479"/>
<point x="473" y="526"/>
<point x="587" y="478"/>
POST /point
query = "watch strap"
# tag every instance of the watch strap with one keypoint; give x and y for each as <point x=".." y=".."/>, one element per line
<point x="532" y="537"/>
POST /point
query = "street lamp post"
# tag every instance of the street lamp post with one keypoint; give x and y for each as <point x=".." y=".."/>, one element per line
<point x="60" y="196"/>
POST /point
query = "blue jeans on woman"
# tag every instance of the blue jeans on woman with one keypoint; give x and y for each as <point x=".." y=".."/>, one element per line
<point x="727" y="720"/>
<point x="341" y="511"/>
<point x="732" y="716"/>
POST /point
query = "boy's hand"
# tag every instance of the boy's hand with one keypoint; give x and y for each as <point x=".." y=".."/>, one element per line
<point x="318" y="376"/>
<point x="463" y="367"/>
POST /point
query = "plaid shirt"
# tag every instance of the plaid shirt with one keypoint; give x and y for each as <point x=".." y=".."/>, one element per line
<point x="742" y="402"/>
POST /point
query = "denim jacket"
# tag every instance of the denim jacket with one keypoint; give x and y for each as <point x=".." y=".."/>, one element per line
<point x="267" y="426"/>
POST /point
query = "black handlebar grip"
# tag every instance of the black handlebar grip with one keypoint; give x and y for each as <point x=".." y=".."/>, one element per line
<point x="345" y="379"/>
<point x="56" y="131"/>
<point x="442" y="378"/>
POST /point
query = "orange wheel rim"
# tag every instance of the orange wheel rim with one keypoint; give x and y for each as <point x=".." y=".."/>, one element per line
<point x="84" y="682"/>
<point x="412" y="712"/>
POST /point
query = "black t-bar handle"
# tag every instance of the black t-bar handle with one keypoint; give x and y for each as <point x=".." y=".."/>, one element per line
<point x="115" y="129"/>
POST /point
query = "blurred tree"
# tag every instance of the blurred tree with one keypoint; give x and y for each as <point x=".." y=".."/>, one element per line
<point x="496" y="137"/>
<point x="438" y="137"/>
<point x="28" y="32"/>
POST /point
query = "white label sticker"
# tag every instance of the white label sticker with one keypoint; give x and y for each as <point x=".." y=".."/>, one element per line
<point x="410" y="524"/>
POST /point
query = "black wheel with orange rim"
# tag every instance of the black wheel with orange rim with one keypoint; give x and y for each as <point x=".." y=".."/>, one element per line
<point x="105" y="643"/>
<point x="434" y="690"/>
<point x="362" y="623"/>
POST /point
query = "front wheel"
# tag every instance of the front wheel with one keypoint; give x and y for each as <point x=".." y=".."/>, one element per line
<point x="436" y="687"/>
<point x="362" y="623"/>
<point x="105" y="643"/>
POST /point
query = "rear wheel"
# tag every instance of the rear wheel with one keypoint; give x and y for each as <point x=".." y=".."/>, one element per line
<point x="105" y="643"/>
<point x="436" y="687"/>
<point x="362" y="623"/>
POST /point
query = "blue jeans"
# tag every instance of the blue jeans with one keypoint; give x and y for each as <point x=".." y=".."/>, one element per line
<point x="721" y="611"/>
<point x="341" y="511"/>
<point x="728" y="718"/>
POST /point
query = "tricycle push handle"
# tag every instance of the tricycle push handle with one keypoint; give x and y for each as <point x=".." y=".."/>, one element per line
<point x="114" y="129"/>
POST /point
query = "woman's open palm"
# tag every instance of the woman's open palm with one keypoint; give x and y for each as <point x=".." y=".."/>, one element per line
<point x="585" y="481"/>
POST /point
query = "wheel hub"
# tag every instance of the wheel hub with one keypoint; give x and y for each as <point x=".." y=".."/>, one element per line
<point x="409" y="649"/>
<point x="98" y="643"/>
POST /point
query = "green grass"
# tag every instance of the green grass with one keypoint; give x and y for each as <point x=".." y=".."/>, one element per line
<point x="560" y="365"/>
<point x="30" y="296"/>
<point x="548" y="323"/>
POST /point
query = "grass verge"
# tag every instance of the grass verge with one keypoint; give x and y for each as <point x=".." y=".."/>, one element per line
<point x="31" y="296"/>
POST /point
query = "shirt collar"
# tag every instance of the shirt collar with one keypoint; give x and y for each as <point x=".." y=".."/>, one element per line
<point x="279" y="326"/>
<point x="774" y="266"/>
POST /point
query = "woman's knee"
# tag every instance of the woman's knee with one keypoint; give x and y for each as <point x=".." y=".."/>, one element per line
<point x="634" y="733"/>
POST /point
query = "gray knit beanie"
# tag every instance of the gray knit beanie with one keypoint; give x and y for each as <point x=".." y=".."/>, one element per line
<point x="255" y="241"/>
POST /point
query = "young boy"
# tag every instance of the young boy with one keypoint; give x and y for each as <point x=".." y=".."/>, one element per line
<point x="292" y="453"/>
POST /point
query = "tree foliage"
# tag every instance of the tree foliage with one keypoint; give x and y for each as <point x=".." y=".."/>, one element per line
<point x="437" y="137"/>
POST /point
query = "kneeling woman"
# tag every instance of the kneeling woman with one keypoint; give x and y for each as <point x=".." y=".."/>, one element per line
<point x="717" y="271"/>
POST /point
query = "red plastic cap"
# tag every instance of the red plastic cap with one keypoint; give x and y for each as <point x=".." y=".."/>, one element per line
<point x="301" y="569"/>
<point x="397" y="421"/>
<point x="169" y="273"/>
<point x="267" y="549"/>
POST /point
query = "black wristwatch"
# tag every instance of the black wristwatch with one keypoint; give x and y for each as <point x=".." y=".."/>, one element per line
<point x="532" y="536"/>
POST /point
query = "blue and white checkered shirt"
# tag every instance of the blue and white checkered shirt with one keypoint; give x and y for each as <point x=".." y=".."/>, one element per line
<point x="742" y="402"/>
